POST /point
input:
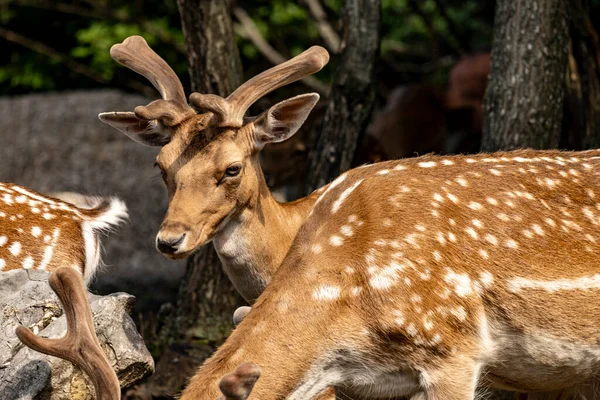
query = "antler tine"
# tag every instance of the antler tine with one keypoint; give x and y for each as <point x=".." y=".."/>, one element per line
<point x="135" y="54"/>
<point x="80" y="345"/>
<point x="230" y="111"/>
<point x="238" y="384"/>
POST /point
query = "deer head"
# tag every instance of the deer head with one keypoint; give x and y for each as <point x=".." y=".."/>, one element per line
<point x="209" y="156"/>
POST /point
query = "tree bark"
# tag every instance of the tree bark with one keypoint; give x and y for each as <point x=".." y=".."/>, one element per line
<point x="524" y="98"/>
<point x="207" y="299"/>
<point x="213" y="58"/>
<point x="581" y="126"/>
<point x="352" y="96"/>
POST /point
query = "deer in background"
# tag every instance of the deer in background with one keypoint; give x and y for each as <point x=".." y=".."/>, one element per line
<point x="43" y="232"/>
<point x="431" y="275"/>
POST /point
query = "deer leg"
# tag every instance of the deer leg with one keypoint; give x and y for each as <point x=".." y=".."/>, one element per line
<point x="454" y="381"/>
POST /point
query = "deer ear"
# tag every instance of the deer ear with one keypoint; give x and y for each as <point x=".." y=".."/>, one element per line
<point x="147" y="132"/>
<point x="284" y="119"/>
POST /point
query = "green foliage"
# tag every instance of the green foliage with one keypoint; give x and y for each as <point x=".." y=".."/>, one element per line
<point x="408" y="39"/>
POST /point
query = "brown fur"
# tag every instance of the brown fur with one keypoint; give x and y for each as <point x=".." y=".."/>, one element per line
<point x="41" y="232"/>
<point x="439" y="283"/>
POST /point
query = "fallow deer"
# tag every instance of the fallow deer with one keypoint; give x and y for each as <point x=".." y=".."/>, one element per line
<point x="215" y="153"/>
<point x="43" y="232"/>
<point x="209" y="162"/>
<point x="431" y="275"/>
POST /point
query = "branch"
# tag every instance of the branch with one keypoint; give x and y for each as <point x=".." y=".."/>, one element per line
<point x="70" y="63"/>
<point x="100" y="13"/>
<point x="249" y="30"/>
<point x="329" y="35"/>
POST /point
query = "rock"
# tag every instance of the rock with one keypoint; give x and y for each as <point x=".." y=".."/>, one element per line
<point x="54" y="142"/>
<point x="27" y="299"/>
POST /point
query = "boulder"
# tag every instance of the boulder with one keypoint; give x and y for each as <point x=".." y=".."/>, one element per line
<point x="27" y="299"/>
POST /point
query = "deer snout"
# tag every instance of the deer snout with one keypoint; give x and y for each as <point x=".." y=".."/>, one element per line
<point x="170" y="238"/>
<point x="169" y="246"/>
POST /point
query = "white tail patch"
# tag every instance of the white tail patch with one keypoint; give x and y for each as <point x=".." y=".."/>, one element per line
<point x="111" y="213"/>
<point x="584" y="283"/>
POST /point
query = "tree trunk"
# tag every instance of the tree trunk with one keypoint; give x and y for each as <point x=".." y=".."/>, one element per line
<point x="213" y="58"/>
<point x="352" y="95"/>
<point x="203" y="316"/>
<point x="581" y="126"/>
<point x="524" y="98"/>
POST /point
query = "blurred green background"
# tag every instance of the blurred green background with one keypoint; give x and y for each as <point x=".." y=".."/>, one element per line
<point x="58" y="45"/>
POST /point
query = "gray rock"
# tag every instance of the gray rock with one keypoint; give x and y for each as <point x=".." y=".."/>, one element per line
<point x="27" y="299"/>
<point x="54" y="142"/>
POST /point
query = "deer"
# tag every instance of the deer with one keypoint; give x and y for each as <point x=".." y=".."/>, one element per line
<point x="81" y="346"/>
<point x="209" y="161"/>
<point x="210" y="148"/>
<point x="431" y="276"/>
<point x="44" y="232"/>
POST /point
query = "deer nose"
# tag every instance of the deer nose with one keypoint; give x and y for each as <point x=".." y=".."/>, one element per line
<point x="169" y="246"/>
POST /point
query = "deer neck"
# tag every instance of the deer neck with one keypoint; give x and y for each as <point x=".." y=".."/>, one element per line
<point x="254" y="242"/>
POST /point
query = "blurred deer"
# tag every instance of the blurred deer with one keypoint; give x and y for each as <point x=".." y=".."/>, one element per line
<point x="42" y="232"/>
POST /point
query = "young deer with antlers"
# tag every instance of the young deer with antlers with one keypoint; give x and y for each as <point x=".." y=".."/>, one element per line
<point x="43" y="232"/>
<point x="215" y="153"/>
<point x="209" y="162"/>
<point x="431" y="275"/>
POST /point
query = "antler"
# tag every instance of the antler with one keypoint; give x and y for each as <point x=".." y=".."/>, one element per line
<point x="238" y="384"/>
<point x="80" y="345"/>
<point x="230" y="112"/>
<point x="135" y="54"/>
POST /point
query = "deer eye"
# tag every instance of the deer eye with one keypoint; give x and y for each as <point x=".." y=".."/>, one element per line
<point x="233" y="170"/>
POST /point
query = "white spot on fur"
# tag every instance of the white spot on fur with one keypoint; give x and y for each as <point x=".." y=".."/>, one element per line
<point x="484" y="254"/>
<point x="411" y="330"/>
<point x="452" y="198"/>
<point x="3" y="240"/>
<point x="356" y="290"/>
<point x="27" y="263"/>
<point x="48" y="216"/>
<point x="36" y="231"/>
<point x="15" y="248"/>
<point x="346" y="230"/>
<point x="492" y="201"/>
<point x="472" y="233"/>
<point x="336" y="240"/>
<point x="316" y="248"/>
<point x="427" y="164"/>
<point x="461" y="282"/>
<point x="462" y="182"/>
<point x="383" y="172"/>
<point x="338" y="203"/>
<point x="459" y="312"/>
<point x="477" y="223"/>
<point x="326" y="293"/>
<point x="511" y="244"/>
<point x="492" y="239"/>
<point x="437" y="256"/>
<point x="447" y="162"/>
<point x="475" y="206"/>
<point x="583" y="283"/>
<point x="486" y="279"/>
